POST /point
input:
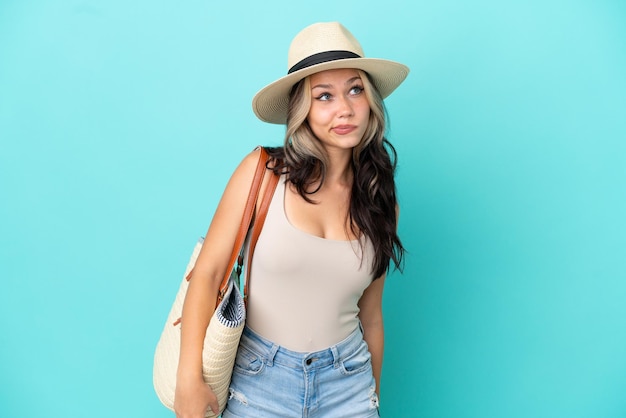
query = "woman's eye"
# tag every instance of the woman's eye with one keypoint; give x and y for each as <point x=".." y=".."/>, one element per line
<point x="324" y="97"/>
<point x="356" y="90"/>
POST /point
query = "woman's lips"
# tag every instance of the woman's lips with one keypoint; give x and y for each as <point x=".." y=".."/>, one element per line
<point x="343" y="129"/>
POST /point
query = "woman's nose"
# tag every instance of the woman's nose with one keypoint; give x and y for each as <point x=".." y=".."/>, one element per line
<point x="345" y="107"/>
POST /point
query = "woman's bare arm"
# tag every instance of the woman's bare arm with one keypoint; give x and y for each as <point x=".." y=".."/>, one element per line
<point x="192" y="395"/>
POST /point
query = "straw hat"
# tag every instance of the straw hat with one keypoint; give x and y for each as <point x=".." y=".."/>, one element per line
<point x="319" y="47"/>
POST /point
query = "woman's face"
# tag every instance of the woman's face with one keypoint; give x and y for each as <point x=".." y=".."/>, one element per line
<point x="339" y="111"/>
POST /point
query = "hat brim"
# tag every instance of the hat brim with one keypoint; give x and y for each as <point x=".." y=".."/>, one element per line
<point x="271" y="103"/>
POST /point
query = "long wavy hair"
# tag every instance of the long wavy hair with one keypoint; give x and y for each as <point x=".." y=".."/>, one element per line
<point x="373" y="203"/>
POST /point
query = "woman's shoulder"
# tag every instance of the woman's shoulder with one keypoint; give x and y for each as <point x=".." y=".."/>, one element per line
<point x="269" y="157"/>
<point x="271" y="153"/>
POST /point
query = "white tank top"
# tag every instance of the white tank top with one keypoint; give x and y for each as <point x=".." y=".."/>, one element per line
<point x="304" y="289"/>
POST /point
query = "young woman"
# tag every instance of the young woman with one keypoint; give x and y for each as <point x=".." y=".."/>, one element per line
<point x="313" y="342"/>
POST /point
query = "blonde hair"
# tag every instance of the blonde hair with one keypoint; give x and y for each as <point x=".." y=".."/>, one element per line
<point x="376" y="125"/>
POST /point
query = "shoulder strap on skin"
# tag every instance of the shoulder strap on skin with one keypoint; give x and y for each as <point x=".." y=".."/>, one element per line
<point x="246" y="220"/>
<point x="258" y="226"/>
<point x="244" y="226"/>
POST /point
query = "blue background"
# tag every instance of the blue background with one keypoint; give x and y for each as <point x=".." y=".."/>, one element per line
<point x="121" y="121"/>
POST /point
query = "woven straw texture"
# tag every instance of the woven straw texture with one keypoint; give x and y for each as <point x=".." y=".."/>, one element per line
<point x="220" y="343"/>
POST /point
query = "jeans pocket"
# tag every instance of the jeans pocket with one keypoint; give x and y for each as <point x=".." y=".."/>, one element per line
<point x="248" y="362"/>
<point x="357" y="361"/>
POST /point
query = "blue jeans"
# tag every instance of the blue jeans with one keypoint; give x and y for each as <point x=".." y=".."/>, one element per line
<point x="271" y="381"/>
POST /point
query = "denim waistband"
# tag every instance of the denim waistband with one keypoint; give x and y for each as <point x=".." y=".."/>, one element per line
<point x="273" y="353"/>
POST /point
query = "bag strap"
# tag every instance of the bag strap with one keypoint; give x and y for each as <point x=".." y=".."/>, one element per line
<point x="244" y="226"/>
<point x="258" y="226"/>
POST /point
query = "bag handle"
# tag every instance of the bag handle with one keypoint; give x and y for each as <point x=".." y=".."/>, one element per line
<point x="244" y="226"/>
<point x="258" y="226"/>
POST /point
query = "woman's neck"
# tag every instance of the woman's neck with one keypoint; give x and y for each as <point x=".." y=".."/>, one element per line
<point x="339" y="170"/>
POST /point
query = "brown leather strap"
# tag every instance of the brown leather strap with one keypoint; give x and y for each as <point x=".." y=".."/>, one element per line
<point x="244" y="226"/>
<point x="258" y="226"/>
<point x="245" y="221"/>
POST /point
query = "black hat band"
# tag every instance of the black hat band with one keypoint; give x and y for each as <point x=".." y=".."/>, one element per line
<point x="322" y="57"/>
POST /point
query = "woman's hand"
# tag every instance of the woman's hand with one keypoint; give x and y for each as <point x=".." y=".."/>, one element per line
<point x="193" y="398"/>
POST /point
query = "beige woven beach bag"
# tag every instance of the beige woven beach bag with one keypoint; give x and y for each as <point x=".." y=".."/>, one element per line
<point x="226" y="324"/>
